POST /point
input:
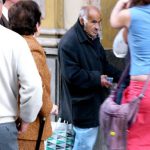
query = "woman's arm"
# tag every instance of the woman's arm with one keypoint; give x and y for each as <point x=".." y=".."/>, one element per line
<point x="125" y="35"/>
<point x="120" y="16"/>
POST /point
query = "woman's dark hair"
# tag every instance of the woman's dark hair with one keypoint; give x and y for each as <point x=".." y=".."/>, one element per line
<point x="23" y="17"/>
<point x="139" y="2"/>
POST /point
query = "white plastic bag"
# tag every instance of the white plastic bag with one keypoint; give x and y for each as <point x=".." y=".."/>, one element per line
<point x="120" y="48"/>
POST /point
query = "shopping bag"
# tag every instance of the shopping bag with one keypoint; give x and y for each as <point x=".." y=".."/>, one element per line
<point x="115" y="119"/>
<point x="62" y="137"/>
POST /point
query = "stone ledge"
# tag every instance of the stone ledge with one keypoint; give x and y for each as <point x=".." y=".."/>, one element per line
<point x="50" y="37"/>
<point x="53" y="32"/>
<point x="48" y="42"/>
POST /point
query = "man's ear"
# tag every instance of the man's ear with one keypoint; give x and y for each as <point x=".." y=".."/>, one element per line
<point x="81" y="21"/>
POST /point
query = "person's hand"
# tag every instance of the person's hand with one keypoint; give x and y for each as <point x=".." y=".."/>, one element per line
<point x="21" y="126"/>
<point x="105" y="82"/>
<point x="54" y="110"/>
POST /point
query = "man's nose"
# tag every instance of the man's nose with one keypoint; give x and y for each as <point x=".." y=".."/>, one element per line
<point x="97" y="26"/>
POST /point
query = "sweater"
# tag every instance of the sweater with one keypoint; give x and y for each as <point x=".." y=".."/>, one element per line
<point x="18" y="66"/>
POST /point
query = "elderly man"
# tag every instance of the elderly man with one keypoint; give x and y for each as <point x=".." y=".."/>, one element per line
<point x="4" y="18"/>
<point x="84" y="71"/>
<point x="7" y="5"/>
<point x="17" y="66"/>
<point x="4" y="21"/>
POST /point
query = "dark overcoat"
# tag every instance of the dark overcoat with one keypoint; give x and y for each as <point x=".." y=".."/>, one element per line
<point x="82" y="62"/>
<point x="4" y="22"/>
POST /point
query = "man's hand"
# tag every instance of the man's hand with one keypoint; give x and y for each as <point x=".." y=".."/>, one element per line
<point x="21" y="126"/>
<point x="54" y="110"/>
<point x="105" y="82"/>
<point x="24" y="126"/>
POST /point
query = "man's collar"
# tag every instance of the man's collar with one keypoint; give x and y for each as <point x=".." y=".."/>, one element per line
<point x="80" y="32"/>
<point x="5" y="12"/>
<point x="4" y="22"/>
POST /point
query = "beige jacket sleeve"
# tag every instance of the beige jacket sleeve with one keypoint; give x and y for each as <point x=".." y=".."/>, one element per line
<point x="30" y="84"/>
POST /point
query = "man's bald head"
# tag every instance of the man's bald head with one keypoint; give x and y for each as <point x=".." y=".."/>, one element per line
<point x="90" y="18"/>
<point x="87" y="10"/>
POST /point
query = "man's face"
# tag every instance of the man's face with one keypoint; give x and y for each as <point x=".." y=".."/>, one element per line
<point x="92" y="25"/>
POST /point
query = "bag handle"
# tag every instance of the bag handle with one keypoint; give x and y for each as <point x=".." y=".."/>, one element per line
<point x="124" y="75"/>
<point x="41" y="129"/>
<point x="141" y="95"/>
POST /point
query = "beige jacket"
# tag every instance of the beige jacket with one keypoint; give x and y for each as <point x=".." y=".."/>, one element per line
<point x="40" y="60"/>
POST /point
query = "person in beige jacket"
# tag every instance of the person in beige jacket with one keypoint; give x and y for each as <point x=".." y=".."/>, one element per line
<point x="24" y="18"/>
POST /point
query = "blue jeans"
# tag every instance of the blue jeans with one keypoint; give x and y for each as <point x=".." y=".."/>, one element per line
<point x="85" y="138"/>
<point x="8" y="136"/>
